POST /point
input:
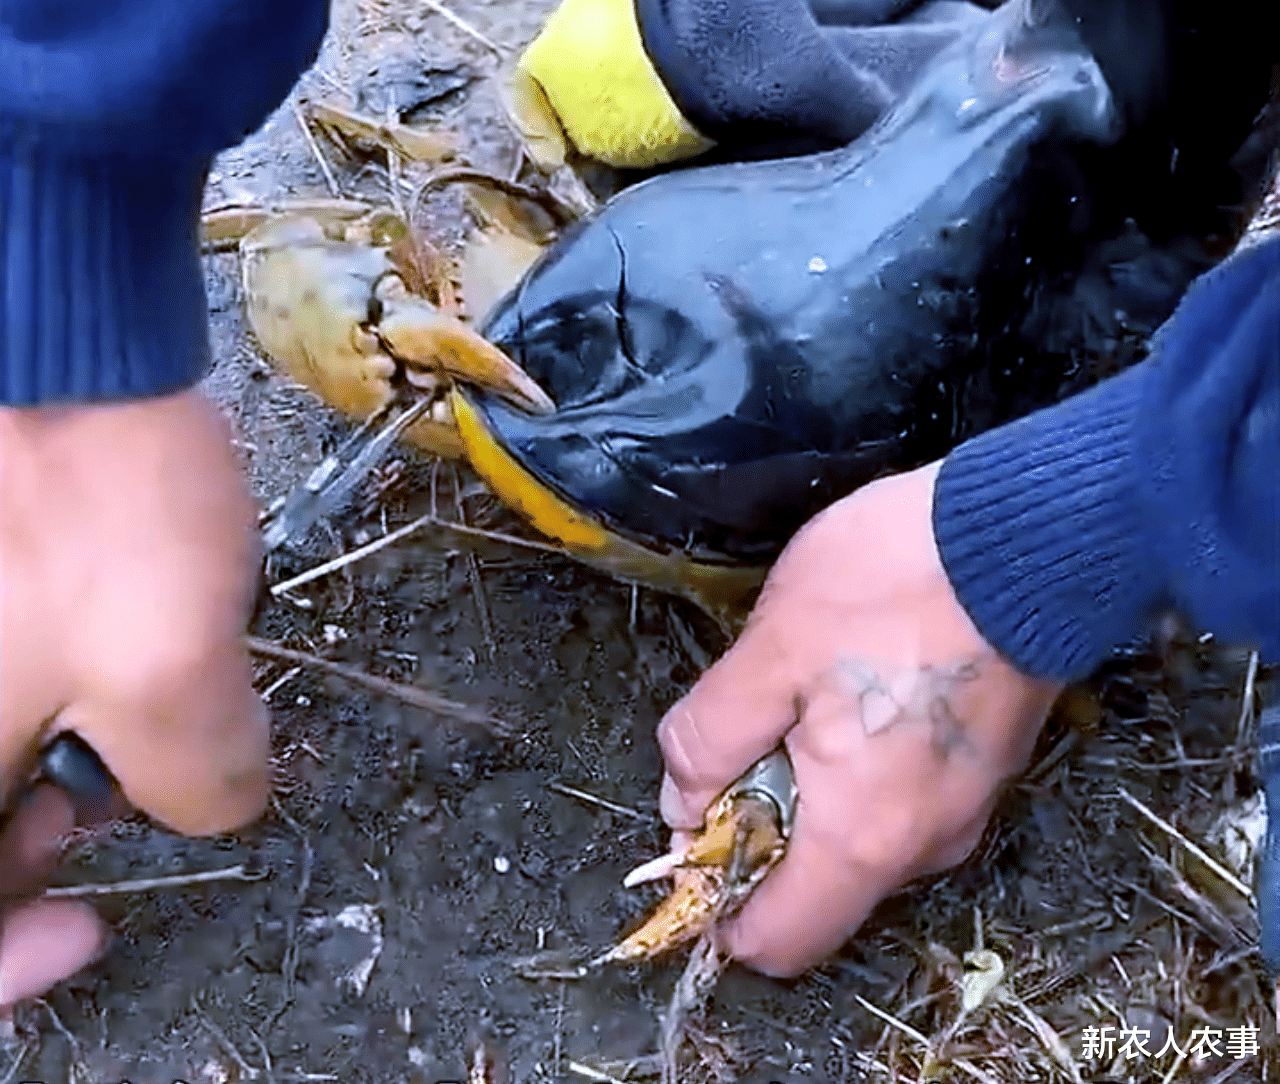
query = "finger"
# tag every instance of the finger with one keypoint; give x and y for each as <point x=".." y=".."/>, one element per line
<point x="807" y="907"/>
<point x="191" y="746"/>
<point x="45" y="942"/>
<point x="738" y="712"/>
<point x="32" y="840"/>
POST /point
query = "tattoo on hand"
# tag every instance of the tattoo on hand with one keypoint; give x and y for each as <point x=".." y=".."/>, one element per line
<point x="948" y="732"/>
<point x="921" y="696"/>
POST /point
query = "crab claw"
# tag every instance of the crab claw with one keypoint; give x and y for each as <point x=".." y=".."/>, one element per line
<point x="337" y="317"/>
<point x="427" y="341"/>
<point x="743" y="838"/>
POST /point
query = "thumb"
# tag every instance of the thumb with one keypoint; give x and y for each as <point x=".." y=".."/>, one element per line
<point x="738" y="712"/>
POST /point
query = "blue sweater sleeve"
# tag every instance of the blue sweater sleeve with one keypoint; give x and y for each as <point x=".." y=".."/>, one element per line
<point x="1067" y="531"/>
<point x="110" y="114"/>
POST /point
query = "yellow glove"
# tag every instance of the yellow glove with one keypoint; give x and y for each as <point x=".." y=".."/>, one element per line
<point x="586" y="82"/>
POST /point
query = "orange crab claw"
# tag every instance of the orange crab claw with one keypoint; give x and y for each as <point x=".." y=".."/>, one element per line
<point x="743" y="838"/>
<point x="426" y="340"/>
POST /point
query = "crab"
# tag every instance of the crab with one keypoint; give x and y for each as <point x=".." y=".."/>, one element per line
<point x="354" y="302"/>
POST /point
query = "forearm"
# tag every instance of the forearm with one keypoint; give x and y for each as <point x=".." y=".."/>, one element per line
<point x="110" y="113"/>
<point x="1065" y="533"/>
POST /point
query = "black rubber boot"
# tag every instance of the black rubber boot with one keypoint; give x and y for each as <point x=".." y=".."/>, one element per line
<point x="733" y="348"/>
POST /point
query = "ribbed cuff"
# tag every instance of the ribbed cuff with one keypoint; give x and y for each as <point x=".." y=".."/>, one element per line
<point x="1037" y="526"/>
<point x="101" y="289"/>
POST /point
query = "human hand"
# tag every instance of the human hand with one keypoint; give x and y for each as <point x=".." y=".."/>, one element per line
<point x="900" y="721"/>
<point x="128" y="559"/>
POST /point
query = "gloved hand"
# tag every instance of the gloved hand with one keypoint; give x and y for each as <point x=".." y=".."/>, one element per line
<point x="901" y="722"/>
<point x="643" y="83"/>
<point x="129" y="552"/>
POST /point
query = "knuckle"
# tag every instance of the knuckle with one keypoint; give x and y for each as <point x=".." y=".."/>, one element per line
<point x="681" y="792"/>
<point x="699" y="754"/>
<point x="695" y="763"/>
<point x="751" y="945"/>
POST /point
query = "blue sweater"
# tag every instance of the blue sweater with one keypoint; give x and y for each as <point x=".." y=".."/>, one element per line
<point x="1063" y="533"/>
<point x="110" y="112"/>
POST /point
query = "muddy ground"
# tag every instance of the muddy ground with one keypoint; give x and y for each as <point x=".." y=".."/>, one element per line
<point x="438" y="850"/>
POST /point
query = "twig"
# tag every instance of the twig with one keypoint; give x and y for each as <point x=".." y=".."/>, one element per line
<point x="464" y="26"/>
<point x="1177" y="765"/>
<point x="603" y="803"/>
<point x="407" y="694"/>
<point x="153" y="884"/>
<point x="279" y="683"/>
<point x="1199" y="853"/>
<point x="892" y="1021"/>
<point x="429" y="520"/>
<point x="578" y="1069"/>
<point x="559" y="1036"/>
<point x="1227" y="1073"/>
<point x="1181" y="916"/>
<point x="473" y="574"/>
<point x="1173" y="1069"/>
<point x="220" y="1037"/>
<point x="482" y="604"/>
<point x="542" y="197"/>
<point x="16" y="1064"/>
<point x="289" y="966"/>
<point x="1246" y="700"/>
<point x="266" y="1057"/>
<point x="692" y="989"/>
<point x="329" y="178"/>
<point x="911" y="1033"/>
<point x="77" y="1064"/>
<point x="394" y="164"/>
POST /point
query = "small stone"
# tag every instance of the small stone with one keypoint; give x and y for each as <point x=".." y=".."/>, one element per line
<point x="502" y="863"/>
<point x="817" y="265"/>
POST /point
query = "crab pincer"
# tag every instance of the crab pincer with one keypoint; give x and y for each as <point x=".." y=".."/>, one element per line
<point x="337" y="315"/>
<point x="744" y="836"/>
